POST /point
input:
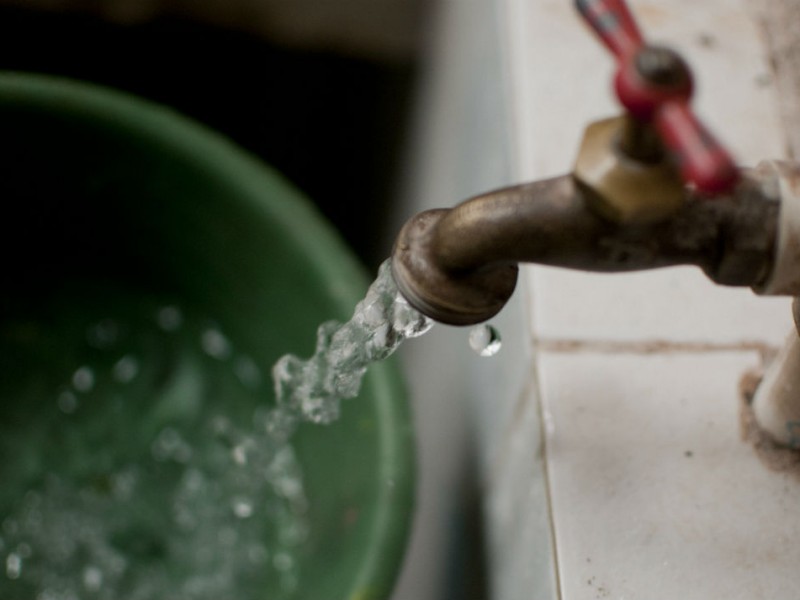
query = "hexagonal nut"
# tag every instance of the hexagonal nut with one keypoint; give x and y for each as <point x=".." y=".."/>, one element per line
<point x="619" y="188"/>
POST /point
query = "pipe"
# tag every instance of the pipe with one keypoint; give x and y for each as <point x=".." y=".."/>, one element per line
<point x="776" y="404"/>
<point x="459" y="266"/>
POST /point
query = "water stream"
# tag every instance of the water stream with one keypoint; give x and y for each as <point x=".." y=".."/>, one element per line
<point x="312" y="389"/>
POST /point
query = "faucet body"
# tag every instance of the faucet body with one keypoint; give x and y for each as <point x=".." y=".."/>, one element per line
<point x="459" y="266"/>
<point x="638" y="198"/>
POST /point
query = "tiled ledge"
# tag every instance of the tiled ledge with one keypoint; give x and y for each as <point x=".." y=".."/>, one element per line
<point x="650" y="490"/>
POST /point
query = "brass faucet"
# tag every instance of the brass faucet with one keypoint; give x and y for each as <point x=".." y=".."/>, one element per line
<point x="650" y="189"/>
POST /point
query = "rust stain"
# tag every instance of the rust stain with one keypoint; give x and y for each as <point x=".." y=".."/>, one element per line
<point x="773" y="455"/>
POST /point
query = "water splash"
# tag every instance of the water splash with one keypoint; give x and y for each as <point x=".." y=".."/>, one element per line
<point x="312" y="389"/>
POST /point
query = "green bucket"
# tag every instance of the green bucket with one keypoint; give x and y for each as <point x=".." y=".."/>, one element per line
<point x="126" y="224"/>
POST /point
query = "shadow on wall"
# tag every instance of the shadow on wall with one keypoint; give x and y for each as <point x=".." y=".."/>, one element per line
<point x="331" y="121"/>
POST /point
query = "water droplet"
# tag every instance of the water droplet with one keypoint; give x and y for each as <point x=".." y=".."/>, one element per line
<point x="485" y="340"/>
<point x="239" y="453"/>
<point x="125" y="369"/>
<point x="67" y="402"/>
<point x="169" y="318"/>
<point x="288" y="485"/>
<point x="13" y="565"/>
<point x="242" y="508"/>
<point x="92" y="578"/>
<point x="215" y="344"/>
<point x="83" y="379"/>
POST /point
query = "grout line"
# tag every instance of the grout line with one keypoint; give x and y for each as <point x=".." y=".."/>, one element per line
<point x="649" y="347"/>
<point x="543" y="437"/>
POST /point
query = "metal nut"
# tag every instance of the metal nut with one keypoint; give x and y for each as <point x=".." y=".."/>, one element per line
<point x="620" y="188"/>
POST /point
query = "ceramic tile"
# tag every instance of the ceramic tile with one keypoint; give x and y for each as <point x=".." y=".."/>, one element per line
<point x="673" y="305"/>
<point x="654" y="494"/>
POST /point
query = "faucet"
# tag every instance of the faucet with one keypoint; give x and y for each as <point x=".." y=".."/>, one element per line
<point x="652" y="188"/>
<point x="459" y="266"/>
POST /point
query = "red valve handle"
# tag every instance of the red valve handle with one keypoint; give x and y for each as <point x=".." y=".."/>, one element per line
<point x="701" y="159"/>
<point x="655" y="85"/>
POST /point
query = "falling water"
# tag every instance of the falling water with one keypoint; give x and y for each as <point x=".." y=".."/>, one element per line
<point x="312" y="389"/>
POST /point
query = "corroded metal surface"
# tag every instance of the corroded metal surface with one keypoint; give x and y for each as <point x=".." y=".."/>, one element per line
<point x="452" y="296"/>
<point x="458" y="266"/>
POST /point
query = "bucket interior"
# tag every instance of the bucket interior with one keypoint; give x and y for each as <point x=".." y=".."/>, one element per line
<point x="118" y="214"/>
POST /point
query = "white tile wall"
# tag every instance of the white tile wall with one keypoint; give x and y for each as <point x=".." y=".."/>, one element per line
<point x="607" y="428"/>
<point x="652" y="493"/>
<point x="674" y="305"/>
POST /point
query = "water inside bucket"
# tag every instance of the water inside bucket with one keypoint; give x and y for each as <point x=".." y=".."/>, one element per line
<point x="146" y="472"/>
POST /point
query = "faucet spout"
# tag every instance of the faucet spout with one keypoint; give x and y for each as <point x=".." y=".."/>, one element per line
<point x="459" y="266"/>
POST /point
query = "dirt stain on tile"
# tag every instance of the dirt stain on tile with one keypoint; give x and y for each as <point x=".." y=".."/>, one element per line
<point x="773" y="455"/>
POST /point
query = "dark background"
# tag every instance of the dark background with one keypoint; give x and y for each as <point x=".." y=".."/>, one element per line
<point x="330" y="122"/>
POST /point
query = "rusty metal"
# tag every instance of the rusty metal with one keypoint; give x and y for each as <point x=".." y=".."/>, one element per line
<point x="459" y="266"/>
<point x="448" y="295"/>
<point x="640" y="142"/>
